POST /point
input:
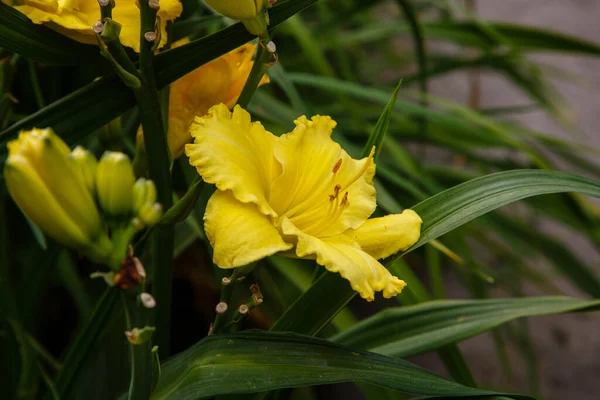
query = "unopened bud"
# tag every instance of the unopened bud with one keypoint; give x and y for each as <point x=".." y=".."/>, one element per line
<point x="150" y="213"/>
<point x="221" y="308"/>
<point x="88" y="164"/>
<point x="114" y="183"/>
<point x="144" y="192"/>
<point x="147" y="300"/>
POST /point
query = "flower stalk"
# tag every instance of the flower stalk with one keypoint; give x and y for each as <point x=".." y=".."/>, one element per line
<point x="227" y="286"/>
<point x="266" y="57"/>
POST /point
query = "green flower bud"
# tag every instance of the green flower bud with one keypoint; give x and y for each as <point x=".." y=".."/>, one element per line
<point x="144" y="192"/>
<point x="88" y="164"/>
<point x="50" y="188"/>
<point x="114" y="184"/>
<point x="150" y="213"/>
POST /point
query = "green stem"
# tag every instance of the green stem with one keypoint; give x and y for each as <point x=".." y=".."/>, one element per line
<point x="140" y="354"/>
<point x="226" y="292"/>
<point x="185" y="205"/>
<point x="159" y="169"/>
<point x="121" y="236"/>
<point x="263" y="60"/>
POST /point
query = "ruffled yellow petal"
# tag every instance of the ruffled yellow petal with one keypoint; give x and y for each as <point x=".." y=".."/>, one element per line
<point x="235" y="154"/>
<point x="238" y="232"/>
<point x="340" y="254"/>
<point x="321" y="189"/>
<point x="382" y="237"/>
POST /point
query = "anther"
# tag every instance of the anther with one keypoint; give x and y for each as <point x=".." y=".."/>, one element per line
<point x="221" y="307"/>
<point x="150" y="36"/>
<point x="154" y="4"/>
<point x="147" y="300"/>
<point x="345" y="199"/>
<point x="337" y="166"/>
<point x="98" y="27"/>
<point x="336" y="192"/>
<point x="103" y="3"/>
<point x="271" y="47"/>
<point x="226" y="280"/>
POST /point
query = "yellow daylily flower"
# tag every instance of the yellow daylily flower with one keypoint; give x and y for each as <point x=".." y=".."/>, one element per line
<point x="219" y="81"/>
<point x="49" y="186"/>
<point x="75" y="18"/>
<point x="300" y="194"/>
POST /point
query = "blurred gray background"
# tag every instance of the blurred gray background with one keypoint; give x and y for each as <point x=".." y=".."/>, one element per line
<point x="568" y="346"/>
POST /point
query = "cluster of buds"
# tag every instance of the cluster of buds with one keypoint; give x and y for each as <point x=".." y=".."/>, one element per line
<point x="252" y="13"/>
<point x="77" y="200"/>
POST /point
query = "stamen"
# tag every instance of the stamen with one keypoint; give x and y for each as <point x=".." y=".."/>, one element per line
<point x="336" y="192"/>
<point x="337" y="166"/>
<point x="345" y="200"/>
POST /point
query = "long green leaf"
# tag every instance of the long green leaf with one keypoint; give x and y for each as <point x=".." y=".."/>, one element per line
<point x="472" y="34"/>
<point x="85" y="342"/>
<point x="82" y="112"/>
<point x="406" y="331"/>
<point x="37" y="42"/>
<point x="441" y="213"/>
<point x="256" y="361"/>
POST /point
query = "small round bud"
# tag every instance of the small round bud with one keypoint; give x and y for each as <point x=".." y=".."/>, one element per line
<point x="144" y="192"/>
<point x="150" y="36"/>
<point x="244" y="309"/>
<point x="271" y="48"/>
<point x="221" y="307"/>
<point x="88" y="164"/>
<point x="98" y="27"/>
<point x="114" y="183"/>
<point x="150" y="213"/>
<point x="147" y="300"/>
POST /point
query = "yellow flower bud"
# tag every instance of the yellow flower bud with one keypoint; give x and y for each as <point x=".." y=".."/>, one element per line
<point x="88" y="164"/>
<point x="150" y="213"/>
<point x="251" y="12"/>
<point x="144" y="192"/>
<point x="50" y="188"/>
<point x="114" y="184"/>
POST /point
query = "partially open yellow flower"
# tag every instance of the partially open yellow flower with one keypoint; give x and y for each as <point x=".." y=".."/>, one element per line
<point x="50" y="188"/>
<point x="219" y="81"/>
<point x="300" y="191"/>
<point x="75" y="18"/>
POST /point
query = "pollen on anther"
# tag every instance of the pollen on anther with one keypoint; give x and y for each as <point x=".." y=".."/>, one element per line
<point x="337" y="166"/>
<point x="345" y="199"/>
